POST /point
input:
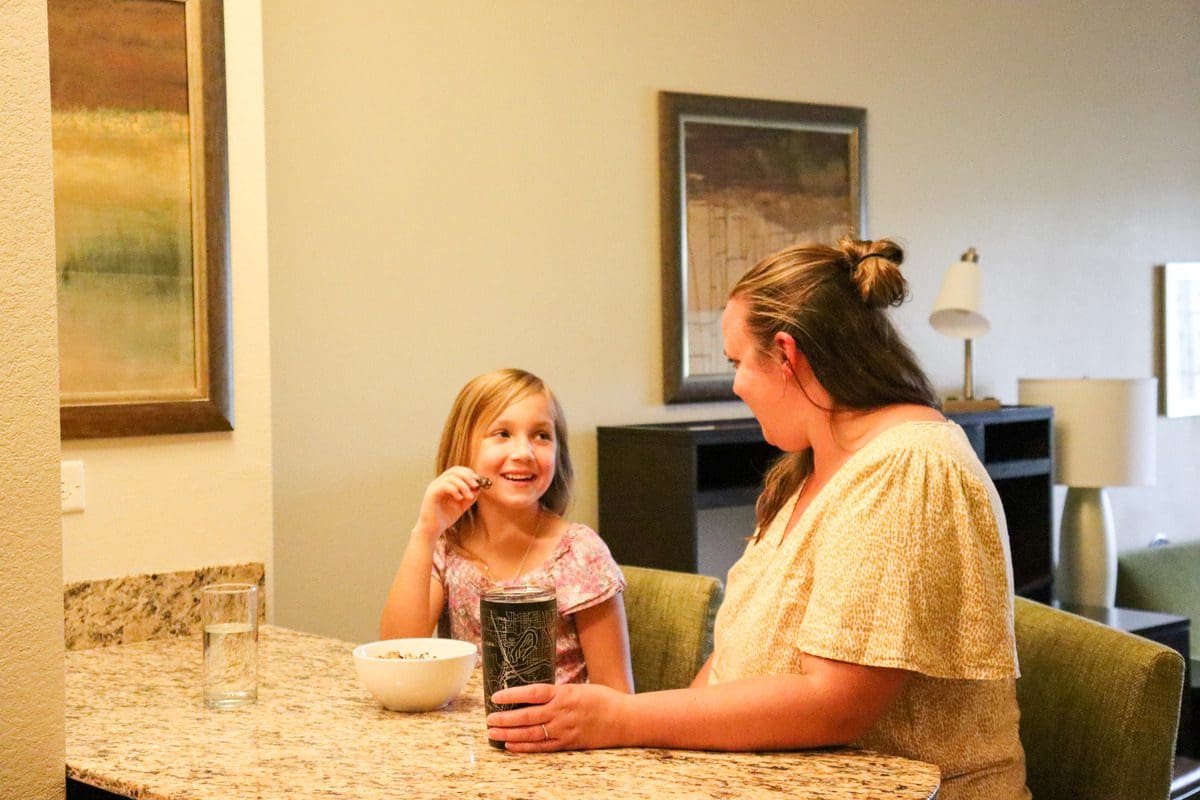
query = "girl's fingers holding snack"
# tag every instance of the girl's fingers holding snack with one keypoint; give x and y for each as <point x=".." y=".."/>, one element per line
<point x="447" y="498"/>
<point x="470" y="479"/>
<point x="456" y="486"/>
<point x="458" y="483"/>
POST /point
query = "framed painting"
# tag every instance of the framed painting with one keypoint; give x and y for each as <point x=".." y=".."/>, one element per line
<point x="141" y="216"/>
<point x="1178" y="339"/>
<point x="741" y="179"/>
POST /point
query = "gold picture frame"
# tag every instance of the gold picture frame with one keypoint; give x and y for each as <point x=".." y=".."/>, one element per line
<point x="740" y="179"/>
<point x="142" y="216"/>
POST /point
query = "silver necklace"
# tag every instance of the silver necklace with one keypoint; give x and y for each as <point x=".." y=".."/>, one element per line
<point x="528" y="548"/>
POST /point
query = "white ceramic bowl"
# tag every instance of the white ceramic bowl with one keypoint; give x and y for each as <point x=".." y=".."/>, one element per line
<point x="415" y="684"/>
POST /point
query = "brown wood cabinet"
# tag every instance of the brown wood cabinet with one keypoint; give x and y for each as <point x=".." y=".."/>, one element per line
<point x="656" y="479"/>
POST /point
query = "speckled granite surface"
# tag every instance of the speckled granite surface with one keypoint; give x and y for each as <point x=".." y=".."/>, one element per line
<point x="136" y="726"/>
<point x="143" y="607"/>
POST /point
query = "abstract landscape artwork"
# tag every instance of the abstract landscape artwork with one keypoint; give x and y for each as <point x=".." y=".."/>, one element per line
<point x="132" y="212"/>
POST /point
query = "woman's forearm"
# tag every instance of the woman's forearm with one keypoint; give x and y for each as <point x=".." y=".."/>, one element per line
<point x="780" y="712"/>
<point x="827" y="703"/>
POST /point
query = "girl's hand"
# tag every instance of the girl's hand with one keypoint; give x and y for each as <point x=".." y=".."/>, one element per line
<point x="447" y="498"/>
<point x="569" y="716"/>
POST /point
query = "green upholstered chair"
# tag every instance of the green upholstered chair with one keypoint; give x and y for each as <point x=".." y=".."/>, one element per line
<point x="1166" y="579"/>
<point x="670" y="616"/>
<point x="1099" y="707"/>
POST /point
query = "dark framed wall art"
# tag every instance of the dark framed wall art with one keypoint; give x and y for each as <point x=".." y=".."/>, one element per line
<point x="740" y="179"/>
<point x="141" y="216"/>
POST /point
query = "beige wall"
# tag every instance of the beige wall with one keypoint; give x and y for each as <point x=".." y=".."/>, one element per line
<point x="31" y="638"/>
<point x="162" y="503"/>
<point x="460" y="186"/>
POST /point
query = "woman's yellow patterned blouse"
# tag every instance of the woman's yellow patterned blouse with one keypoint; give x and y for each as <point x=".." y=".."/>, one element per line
<point x="900" y="561"/>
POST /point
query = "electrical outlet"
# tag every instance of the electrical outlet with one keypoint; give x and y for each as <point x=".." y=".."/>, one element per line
<point x="72" y="487"/>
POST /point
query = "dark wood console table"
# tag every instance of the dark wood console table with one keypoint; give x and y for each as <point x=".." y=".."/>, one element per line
<point x="655" y="479"/>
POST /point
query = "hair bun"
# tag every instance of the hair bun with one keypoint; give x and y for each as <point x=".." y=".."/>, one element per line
<point x="875" y="269"/>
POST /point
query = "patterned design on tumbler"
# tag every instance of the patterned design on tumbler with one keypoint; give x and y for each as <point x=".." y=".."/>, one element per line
<point x="518" y="626"/>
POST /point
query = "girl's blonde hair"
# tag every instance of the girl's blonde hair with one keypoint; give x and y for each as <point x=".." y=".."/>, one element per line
<point x="482" y="400"/>
<point x="833" y="301"/>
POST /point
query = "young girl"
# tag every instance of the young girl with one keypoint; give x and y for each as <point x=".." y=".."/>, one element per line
<point x="493" y="517"/>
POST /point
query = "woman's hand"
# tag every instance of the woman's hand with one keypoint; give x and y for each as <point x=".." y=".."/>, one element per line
<point x="569" y="716"/>
<point x="447" y="498"/>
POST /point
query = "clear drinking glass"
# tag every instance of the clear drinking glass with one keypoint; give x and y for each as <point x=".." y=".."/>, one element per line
<point x="229" y="613"/>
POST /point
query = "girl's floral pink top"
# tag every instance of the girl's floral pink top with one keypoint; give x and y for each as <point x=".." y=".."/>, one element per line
<point x="580" y="569"/>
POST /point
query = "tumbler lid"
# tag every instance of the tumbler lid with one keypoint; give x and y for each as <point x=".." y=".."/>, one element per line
<point x="524" y="593"/>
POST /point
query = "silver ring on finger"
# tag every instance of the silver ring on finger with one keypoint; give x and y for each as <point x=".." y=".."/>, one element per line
<point x="545" y="732"/>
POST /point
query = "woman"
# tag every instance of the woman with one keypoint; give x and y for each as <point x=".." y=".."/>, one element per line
<point x="873" y="605"/>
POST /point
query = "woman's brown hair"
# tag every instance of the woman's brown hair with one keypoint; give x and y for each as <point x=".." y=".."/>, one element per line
<point x="833" y="302"/>
<point x="478" y="403"/>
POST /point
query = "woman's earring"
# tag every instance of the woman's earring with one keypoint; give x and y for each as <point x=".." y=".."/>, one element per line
<point x="789" y="372"/>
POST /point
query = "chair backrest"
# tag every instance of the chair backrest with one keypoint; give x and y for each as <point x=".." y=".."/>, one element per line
<point x="1166" y="579"/>
<point x="670" y="617"/>
<point x="1099" y="707"/>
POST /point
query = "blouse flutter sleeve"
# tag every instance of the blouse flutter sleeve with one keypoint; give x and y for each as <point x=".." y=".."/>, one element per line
<point x="912" y="573"/>
<point x="585" y="572"/>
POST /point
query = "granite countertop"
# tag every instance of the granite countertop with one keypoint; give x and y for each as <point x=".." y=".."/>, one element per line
<point x="136" y="726"/>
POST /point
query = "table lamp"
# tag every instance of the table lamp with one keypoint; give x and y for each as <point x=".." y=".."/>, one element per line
<point x="956" y="313"/>
<point x="1104" y="435"/>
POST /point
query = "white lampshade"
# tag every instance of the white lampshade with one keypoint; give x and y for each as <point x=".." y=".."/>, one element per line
<point x="956" y="312"/>
<point x="1104" y="429"/>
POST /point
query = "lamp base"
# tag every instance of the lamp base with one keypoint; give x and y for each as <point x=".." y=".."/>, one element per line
<point x="955" y="405"/>
<point x="1087" y="550"/>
